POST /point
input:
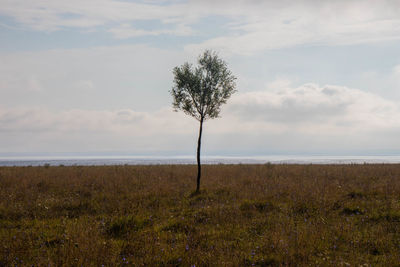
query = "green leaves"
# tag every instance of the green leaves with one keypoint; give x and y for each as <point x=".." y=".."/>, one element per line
<point x="200" y="91"/>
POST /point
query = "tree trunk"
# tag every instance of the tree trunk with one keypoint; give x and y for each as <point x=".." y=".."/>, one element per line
<point x="198" y="157"/>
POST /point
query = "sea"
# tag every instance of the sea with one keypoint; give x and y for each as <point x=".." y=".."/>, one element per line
<point x="182" y="160"/>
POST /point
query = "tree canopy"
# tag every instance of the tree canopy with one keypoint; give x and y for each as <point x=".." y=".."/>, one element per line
<point x="200" y="91"/>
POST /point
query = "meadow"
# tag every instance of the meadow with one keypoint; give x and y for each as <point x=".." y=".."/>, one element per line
<point x="245" y="215"/>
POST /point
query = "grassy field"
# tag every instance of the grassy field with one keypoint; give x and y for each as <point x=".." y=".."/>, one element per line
<point x="246" y="215"/>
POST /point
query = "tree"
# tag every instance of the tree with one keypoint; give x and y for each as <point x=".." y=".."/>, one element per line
<point x="199" y="91"/>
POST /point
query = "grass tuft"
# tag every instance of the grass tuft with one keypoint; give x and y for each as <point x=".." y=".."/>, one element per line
<point x="121" y="226"/>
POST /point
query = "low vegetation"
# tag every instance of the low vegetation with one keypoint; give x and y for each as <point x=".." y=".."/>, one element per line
<point x="245" y="215"/>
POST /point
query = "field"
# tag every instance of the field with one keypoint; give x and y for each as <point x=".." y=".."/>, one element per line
<point x="245" y="215"/>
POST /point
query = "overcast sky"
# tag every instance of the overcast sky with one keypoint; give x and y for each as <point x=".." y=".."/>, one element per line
<point x="93" y="76"/>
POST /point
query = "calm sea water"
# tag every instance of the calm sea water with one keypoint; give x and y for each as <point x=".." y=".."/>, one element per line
<point x="121" y="160"/>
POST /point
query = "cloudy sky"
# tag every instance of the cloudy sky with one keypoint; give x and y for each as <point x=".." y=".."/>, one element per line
<point x="93" y="76"/>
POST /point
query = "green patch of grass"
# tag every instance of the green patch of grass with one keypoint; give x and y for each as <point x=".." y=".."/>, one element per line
<point x="178" y="226"/>
<point x="201" y="217"/>
<point x="352" y="211"/>
<point x="356" y="195"/>
<point x="121" y="226"/>
<point x="305" y="209"/>
<point x="391" y="216"/>
<point x="256" y="205"/>
<point x="262" y="261"/>
<point x="72" y="209"/>
<point x="245" y="215"/>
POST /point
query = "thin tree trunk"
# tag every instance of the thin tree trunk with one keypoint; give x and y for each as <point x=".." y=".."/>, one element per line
<point x="198" y="157"/>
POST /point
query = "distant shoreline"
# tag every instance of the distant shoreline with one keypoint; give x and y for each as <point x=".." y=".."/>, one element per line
<point x="125" y="160"/>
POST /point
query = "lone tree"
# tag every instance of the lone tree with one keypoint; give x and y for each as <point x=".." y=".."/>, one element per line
<point x="201" y="90"/>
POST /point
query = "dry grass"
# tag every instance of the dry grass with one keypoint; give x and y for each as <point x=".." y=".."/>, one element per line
<point x="262" y="215"/>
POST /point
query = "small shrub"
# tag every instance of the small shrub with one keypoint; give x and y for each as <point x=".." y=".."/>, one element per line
<point x="257" y="229"/>
<point x="72" y="210"/>
<point x="178" y="226"/>
<point x="222" y="192"/>
<point x="174" y="261"/>
<point x="262" y="261"/>
<point x="260" y="206"/>
<point x="352" y="211"/>
<point x="355" y="194"/>
<point x="305" y="209"/>
<point x="123" y="225"/>
<point x="391" y="216"/>
<point x="53" y="242"/>
<point x="201" y="217"/>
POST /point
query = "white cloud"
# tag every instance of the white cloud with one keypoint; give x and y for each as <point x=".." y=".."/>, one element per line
<point x="123" y="121"/>
<point x="85" y="85"/>
<point x="51" y="15"/>
<point x="393" y="81"/>
<point x="273" y="25"/>
<point x="302" y="118"/>
<point x="307" y="118"/>
<point x="43" y="130"/>
<point x="124" y="31"/>
<point x="396" y="75"/>
<point x="252" y="25"/>
<point x="310" y="107"/>
<point x="48" y="15"/>
<point x="385" y="83"/>
<point x="396" y="70"/>
<point x="33" y="84"/>
<point x="132" y="76"/>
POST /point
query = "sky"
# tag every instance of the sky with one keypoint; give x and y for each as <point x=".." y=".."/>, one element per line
<point x="93" y="76"/>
